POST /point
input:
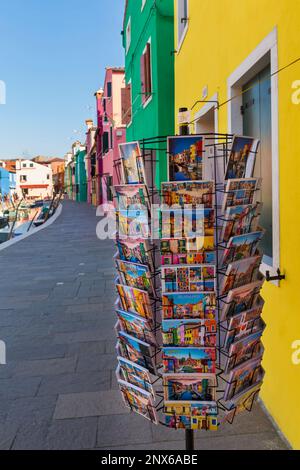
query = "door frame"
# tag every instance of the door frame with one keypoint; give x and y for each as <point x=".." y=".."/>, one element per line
<point x="265" y="53"/>
<point x="205" y="109"/>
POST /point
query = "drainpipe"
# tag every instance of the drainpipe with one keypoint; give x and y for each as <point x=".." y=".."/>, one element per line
<point x="99" y="164"/>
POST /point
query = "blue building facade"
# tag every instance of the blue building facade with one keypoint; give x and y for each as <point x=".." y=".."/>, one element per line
<point x="4" y="182"/>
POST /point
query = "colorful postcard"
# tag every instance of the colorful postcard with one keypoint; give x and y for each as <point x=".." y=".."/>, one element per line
<point x="244" y="349"/>
<point x="136" y="251"/>
<point x="243" y="325"/>
<point x="187" y="223"/>
<point x="243" y="377"/>
<point x="133" y="171"/>
<point x="240" y="273"/>
<point x="187" y="305"/>
<point x="136" y="326"/>
<point x="131" y="196"/>
<point x="189" y="360"/>
<point x="135" y="275"/>
<point x="242" y="401"/>
<point x="137" y="351"/>
<point x="240" y="299"/>
<point x="185" y="158"/>
<point x="133" y="223"/>
<point x="241" y="246"/>
<point x="239" y="220"/>
<point x="135" y="301"/>
<point x="188" y="192"/>
<point x="191" y="415"/>
<point x="138" y="400"/>
<point x="187" y="251"/>
<point x="240" y="192"/>
<point x="189" y="387"/>
<point x="198" y="278"/>
<point x="183" y="333"/>
<point x="136" y="375"/>
<point x="242" y="158"/>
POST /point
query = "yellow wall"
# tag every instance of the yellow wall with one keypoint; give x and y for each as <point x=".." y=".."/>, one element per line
<point x="221" y="35"/>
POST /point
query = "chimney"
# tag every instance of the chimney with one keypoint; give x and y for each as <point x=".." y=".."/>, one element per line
<point x="99" y="93"/>
<point x="89" y="123"/>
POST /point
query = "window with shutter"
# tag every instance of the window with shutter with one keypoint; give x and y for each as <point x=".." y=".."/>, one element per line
<point x="109" y="89"/>
<point x="105" y="146"/>
<point x="146" y="79"/>
<point x="126" y="104"/>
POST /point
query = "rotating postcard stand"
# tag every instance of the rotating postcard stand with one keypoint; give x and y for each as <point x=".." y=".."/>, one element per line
<point x="231" y="214"/>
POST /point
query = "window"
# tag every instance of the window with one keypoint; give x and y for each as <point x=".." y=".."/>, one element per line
<point x="24" y="165"/>
<point x="143" y="4"/>
<point x="126" y="105"/>
<point x="254" y="112"/>
<point x="25" y="191"/>
<point x="105" y="145"/>
<point x="111" y="137"/>
<point x="182" y="20"/>
<point x="109" y="89"/>
<point x="128" y="35"/>
<point x="31" y="165"/>
<point x="23" y="178"/>
<point x="146" y="79"/>
<point x="48" y="176"/>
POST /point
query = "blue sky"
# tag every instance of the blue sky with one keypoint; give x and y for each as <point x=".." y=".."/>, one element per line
<point x="53" y="55"/>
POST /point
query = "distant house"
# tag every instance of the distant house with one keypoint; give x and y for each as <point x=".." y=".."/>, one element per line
<point x="58" y="169"/>
<point x="10" y="167"/>
<point x="33" y="180"/>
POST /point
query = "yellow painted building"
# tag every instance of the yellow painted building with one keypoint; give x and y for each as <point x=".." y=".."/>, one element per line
<point x="246" y="52"/>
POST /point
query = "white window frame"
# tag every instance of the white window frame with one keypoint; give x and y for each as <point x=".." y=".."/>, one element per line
<point x="149" y="99"/>
<point x="128" y="36"/>
<point x="204" y="110"/>
<point x="266" y="51"/>
<point x="181" y="39"/>
<point x="143" y="4"/>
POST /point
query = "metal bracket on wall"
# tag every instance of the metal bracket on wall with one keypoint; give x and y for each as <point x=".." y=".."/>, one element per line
<point x="279" y="276"/>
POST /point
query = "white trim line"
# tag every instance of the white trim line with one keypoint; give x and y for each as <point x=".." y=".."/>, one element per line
<point x="268" y="45"/>
<point x="205" y="109"/>
<point x="33" y="231"/>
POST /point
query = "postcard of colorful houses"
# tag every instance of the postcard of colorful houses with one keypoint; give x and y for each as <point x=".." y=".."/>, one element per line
<point x="188" y="278"/>
<point x="183" y="333"/>
<point x="188" y="192"/>
<point x="189" y="305"/>
<point x="185" y="158"/>
<point x="132" y="168"/>
<point x="189" y="360"/>
<point x="138" y="400"/>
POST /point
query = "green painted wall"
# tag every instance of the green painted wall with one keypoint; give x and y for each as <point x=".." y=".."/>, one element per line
<point x="80" y="177"/>
<point x="156" y="21"/>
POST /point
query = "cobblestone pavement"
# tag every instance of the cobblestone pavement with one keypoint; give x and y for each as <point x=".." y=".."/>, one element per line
<point x="58" y="389"/>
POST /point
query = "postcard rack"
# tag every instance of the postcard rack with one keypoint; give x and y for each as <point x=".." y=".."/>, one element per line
<point x="217" y="152"/>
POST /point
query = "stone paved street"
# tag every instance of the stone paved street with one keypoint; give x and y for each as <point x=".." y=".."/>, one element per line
<point x="58" y="389"/>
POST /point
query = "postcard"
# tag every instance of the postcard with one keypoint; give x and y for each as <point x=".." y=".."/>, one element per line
<point x="189" y="387"/>
<point x="189" y="333"/>
<point x="136" y="326"/>
<point x="187" y="251"/>
<point x="242" y="158"/>
<point x="188" y="305"/>
<point x="188" y="278"/>
<point x="240" y="299"/>
<point x="249" y="347"/>
<point x="242" y="401"/>
<point x="245" y="328"/>
<point x="191" y="415"/>
<point x="240" y="273"/>
<point x="133" y="171"/>
<point x="185" y="158"/>
<point x="136" y="375"/>
<point x="188" y="192"/>
<point x="135" y="275"/>
<point x="187" y="223"/>
<point x="239" y="220"/>
<point x="189" y="360"/>
<point x="138" y="400"/>
<point x="135" y="301"/>
<point x="136" y="251"/>
<point x="241" y="246"/>
<point x="240" y="192"/>
<point x="242" y="377"/>
<point x="137" y="351"/>
<point x="133" y="223"/>
<point x="131" y="196"/>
